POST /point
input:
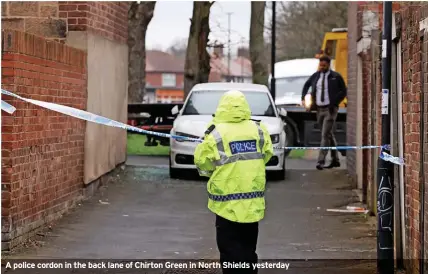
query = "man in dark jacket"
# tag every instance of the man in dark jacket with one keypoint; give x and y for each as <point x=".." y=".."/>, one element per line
<point x="328" y="89"/>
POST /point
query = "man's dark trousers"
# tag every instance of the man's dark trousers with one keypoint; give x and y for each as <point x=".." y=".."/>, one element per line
<point x="326" y="117"/>
<point x="237" y="243"/>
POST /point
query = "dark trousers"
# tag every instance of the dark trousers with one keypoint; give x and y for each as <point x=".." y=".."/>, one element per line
<point x="326" y="119"/>
<point x="237" y="243"/>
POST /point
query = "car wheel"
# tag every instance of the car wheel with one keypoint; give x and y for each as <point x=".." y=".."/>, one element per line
<point x="289" y="141"/>
<point x="174" y="173"/>
<point x="279" y="175"/>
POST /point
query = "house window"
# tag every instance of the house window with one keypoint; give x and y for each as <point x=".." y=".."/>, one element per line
<point x="168" y="80"/>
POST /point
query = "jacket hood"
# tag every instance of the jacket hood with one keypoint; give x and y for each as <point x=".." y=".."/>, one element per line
<point x="232" y="108"/>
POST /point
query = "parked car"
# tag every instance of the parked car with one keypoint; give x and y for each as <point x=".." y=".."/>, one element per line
<point x="197" y="111"/>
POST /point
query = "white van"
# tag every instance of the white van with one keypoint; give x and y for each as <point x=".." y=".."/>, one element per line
<point x="290" y="76"/>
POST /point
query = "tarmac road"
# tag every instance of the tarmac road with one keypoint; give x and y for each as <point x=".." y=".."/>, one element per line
<point x="142" y="214"/>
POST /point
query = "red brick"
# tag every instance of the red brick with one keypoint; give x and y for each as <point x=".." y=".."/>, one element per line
<point x="21" y="8"/>
<point x="8" y="72"/>
<point x="82" y="21"/>
<point x="76" y="14"/>
<point x="107" y="19"/>
<point x="72" y="21"/>
<point x="83" y="7"/>
<point x="67" y="7"/>
<point x="28" y="135"/>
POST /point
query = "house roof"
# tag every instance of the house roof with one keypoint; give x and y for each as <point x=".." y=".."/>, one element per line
<point x="159" y="61"/>
<point x="239" y="66"/>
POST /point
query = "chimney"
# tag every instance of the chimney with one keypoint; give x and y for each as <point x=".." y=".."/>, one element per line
<point x="218" y="50"/>
<point x="244" y="52"/>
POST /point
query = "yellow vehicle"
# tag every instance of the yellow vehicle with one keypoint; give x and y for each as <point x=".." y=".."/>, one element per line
<point x="335" y="45"/>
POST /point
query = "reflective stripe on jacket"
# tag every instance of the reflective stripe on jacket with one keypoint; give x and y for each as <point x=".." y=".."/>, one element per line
<point x="234" y="155"/>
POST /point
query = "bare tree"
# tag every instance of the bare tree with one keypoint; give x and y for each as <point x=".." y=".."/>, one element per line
<point x="257" y="44"/>
<point x="301" y="26"/>
<point x="197" y="67"/>
<point x="178" y="47"/>
<point x="139" y="16"/>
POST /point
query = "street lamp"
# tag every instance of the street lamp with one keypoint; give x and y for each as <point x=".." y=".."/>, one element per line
<point x="272" y="65"/>
<point x="385" y="192"/>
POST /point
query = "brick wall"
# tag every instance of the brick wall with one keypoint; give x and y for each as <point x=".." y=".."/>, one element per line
<point x="372" y="87"/>
<point x="109" y="19"/>
<point x="352" y="87"/>
<point x="413" y="59"/>
<point x="367" y="118"/>
<point x="53" y="19"/>
<point x="101" y="29"/>
<point x="361" y="16"/>
<point x="424" y="14"/>
<point x="42" y="171"/>
<point x="42" y="151"/>
<point x="155" y="79"/>
<point x="39" y="18"/>
<point x="413" y="56"/>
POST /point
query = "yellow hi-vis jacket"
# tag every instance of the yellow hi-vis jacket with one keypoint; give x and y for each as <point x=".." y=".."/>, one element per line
<point x="234" y="154"/>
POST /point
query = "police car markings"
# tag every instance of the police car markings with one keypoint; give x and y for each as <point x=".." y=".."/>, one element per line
<point x="243" y="146"/>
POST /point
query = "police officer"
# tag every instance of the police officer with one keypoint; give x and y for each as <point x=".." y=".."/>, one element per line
<point x="233" y="154"/>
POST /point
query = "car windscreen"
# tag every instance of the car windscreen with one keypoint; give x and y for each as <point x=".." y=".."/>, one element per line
<point x="290" y="86"/>
<point x="206" y="102"/>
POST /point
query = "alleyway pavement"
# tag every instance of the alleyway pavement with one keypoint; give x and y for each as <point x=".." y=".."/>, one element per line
<point x="142" y="214"/>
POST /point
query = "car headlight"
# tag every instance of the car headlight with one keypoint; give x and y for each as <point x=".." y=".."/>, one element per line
<point x="184" y="135"/>
<point x="274" y="138"/>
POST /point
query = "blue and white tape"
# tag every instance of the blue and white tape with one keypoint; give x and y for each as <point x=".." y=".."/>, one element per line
<point x="91" y="117"/>
<point x="335" y="148"/>
<point x="6" y="107"/>
<point x="396" y="160"/>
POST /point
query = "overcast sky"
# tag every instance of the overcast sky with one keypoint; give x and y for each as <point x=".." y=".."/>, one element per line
<point x="171" y="23"/>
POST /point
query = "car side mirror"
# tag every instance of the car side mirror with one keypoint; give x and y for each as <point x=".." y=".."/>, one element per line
<point x="174" y="110"/>
<point x="282" y="112"/>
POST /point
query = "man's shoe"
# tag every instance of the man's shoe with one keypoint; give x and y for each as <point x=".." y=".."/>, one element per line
<point x="320" y="165"/>
<point x="334" y="163"/>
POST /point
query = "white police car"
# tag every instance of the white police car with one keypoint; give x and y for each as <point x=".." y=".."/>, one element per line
<point x="192" y="121"/>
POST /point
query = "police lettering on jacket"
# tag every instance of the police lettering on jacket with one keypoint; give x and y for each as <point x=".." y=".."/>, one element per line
<point x="243" y="146"/>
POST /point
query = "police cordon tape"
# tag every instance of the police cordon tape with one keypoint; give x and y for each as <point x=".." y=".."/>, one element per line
<point x="91" y="117"/>
<point x="6" y="107"/>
